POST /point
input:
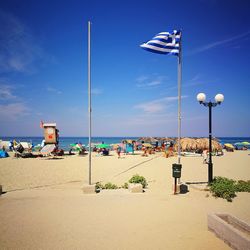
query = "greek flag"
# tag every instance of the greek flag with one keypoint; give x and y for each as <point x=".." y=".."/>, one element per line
<point x="164" y="43"/>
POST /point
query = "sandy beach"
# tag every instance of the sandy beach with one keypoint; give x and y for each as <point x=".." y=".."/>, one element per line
<point x="43" y="206"/>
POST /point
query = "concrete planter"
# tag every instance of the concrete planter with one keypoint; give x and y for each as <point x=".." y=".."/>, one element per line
<point x="135" y="188"/>
<point x="235" y="232"/>
<point x="89" y="189"/>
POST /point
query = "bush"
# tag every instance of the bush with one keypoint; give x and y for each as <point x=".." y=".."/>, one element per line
<point x="110" y="185"/>
<point x="224" y="188"/>
<point x="99" y="185"/>
<point x="125" y="185"/>
<point x="138" y="179"/>
<point x="242" y="186"/>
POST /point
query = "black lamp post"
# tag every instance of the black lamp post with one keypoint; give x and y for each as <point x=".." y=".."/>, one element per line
<point x="219" y="98"/>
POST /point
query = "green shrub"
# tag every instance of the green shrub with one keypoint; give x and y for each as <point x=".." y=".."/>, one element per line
<point x="125" y="185"/>
<point x="110" y="185"/>
<point x="242" y="186"/>
<point x="224" y="188"/>
<point x="99" y="185"/>
<point x="138" y="179"/>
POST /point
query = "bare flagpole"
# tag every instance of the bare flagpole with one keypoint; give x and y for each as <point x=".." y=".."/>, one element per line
<point x="89" y="93"/>
<point x="179" y="99"/>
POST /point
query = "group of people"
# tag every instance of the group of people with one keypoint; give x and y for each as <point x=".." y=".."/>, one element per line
<point x="168" y="150"/>
<point x="12" y="145"/>
<point x="102" y="151"/>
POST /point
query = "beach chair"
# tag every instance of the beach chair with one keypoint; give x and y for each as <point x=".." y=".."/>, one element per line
<point x="21" y="152"/>
<point x="47" y="150"/>
<point x="27" y="146"/>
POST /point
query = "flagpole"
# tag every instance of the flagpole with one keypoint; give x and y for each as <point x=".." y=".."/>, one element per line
<point x="179" y="99"/>
<point x="89" y="95"/>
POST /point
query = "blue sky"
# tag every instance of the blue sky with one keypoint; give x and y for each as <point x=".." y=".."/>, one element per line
<point x="43" y="67"/>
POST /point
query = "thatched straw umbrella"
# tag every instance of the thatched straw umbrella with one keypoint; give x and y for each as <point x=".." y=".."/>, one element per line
<point x="187" y="144"/>
<point x="203" y="143"/>
<point x="192" y="144"/>
<point x="147" y="139"/>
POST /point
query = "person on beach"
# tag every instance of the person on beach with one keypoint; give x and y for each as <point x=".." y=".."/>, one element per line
<point x="163" y="146"/>
<point x="170" y="150"/>
<point x="118" y="151"/>
<point x="11" y="145"/>
<point x="105" y="152"/>
<point x="204" y="155"/>
<point x="43" y="143"/>
<point x="144" y="152"/>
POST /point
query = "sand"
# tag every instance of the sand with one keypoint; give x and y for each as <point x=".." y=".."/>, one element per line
<point x="45" y="208"/>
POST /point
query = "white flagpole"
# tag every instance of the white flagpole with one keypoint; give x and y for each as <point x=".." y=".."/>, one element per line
<point x="89" y="93"/>
<point x="179" y="100"/>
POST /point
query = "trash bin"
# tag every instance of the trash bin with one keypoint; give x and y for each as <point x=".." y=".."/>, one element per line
<point x="176" y="170"/>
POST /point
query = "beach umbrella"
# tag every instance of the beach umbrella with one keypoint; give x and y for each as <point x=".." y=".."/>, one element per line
<point x="246" y="143"/>
<point x="76" y="146"/>
<point x="147" y="145"/>
<point x="201" y="143"/>
<point x="228" y="145"/>
<point x="241" y="143"/>
<point x="147" y="139"/>
<point x="186" y="144"/>
<point x="103" y="146"/>
<point x="115" y="146"/>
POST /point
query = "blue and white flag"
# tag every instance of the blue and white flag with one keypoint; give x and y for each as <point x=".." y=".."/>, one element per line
<point x="164" y="43"/>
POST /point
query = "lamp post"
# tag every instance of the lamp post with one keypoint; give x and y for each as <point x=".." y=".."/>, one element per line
<point x="219" y="98"/>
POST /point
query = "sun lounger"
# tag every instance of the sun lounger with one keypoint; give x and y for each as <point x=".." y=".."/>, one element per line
<point x="191" y="154"/>
<point x="48" y="149"/>
<point x="26" y="145"/>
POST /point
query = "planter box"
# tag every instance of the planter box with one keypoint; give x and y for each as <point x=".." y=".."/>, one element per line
<point x="235" y="232"/>
<point x="88" y="189"/>
<point x="135" y="188"/>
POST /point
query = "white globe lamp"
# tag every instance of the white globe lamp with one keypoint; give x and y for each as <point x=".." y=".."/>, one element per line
<point x="219" y="98"/>
<point x="201" y="97"/>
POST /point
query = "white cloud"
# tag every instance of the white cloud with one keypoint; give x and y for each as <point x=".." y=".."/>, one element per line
<point x="96" y="91"/>
<point x="53" y="90"/>
<point x="18" y="49"/>
<point x="13" y="111"/>
<point x="6" y="92"/>
<point x="199" y="80"/>
<point x="149" y="81"/>
<point x="157" y="106"/>
<point x="151" y="107"/>
<point x="141" y="79"/>
<point x="219" y="43"/>
<point x="154" y="83"/>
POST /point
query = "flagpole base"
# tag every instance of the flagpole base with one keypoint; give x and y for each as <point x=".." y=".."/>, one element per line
<point x="89" y="189"/>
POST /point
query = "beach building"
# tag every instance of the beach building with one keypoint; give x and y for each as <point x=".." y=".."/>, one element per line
<point x="51" y="133"/>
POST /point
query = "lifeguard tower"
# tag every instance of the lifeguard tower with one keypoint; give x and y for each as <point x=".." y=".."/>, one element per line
<point x="51" y="134"/>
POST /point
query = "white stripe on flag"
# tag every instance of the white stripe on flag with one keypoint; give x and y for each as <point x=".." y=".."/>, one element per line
<point x="164" y="43"/>
<point x="159" y="49"/>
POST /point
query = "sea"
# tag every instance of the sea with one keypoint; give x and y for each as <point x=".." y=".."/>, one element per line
<point x="64" y="142"/>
